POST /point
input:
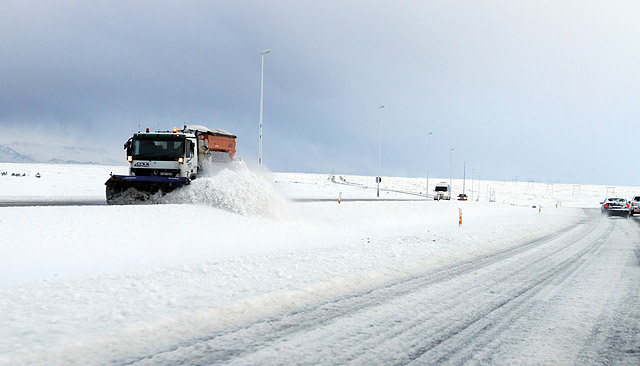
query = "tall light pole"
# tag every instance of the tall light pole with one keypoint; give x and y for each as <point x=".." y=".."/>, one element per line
<point x="451" y="169"/>
<point x="261" y="104"/>
<point x="428" y="135"/>
<point x="378" y="178"/>
<point x="464" y="177"/>
<point x="472" y="174"/>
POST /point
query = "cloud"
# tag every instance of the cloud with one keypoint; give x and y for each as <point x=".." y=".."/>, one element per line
<point x="514" y="87"/>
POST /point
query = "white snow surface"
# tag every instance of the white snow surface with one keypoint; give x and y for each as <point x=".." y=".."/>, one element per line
<point x="83" y="284"/>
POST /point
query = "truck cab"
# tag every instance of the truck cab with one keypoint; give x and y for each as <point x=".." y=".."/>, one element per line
<point x="442" y="192"/>
<point x="163" y="154"/>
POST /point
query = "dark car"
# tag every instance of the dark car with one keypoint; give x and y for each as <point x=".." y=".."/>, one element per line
<point x="462" y="197"/>
<point x="615" y="207"/>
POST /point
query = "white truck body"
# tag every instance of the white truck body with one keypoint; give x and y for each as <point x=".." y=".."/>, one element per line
<point x="442" y="192"/>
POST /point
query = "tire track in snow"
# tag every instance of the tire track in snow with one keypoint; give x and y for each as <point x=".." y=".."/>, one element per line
<point x="612" y="340"/>
<point x="435" y="334"/>
<point x="460" y="343"/>
<point x="233" y="343"/>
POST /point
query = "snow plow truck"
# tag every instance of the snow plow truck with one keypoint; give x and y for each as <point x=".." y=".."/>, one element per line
<point x="160" y="162"/>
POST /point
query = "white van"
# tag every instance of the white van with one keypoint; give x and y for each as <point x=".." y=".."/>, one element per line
<point x="442" y="192"/>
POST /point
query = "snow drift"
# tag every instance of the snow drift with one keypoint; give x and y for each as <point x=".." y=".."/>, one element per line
<point x="235" y="188"/>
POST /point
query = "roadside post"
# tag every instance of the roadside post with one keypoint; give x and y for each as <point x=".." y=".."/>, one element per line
<point x="459" y="217"/>
<point x="339" y="197"/>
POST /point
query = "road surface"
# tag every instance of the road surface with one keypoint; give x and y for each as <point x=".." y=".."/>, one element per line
<point x="571" y="298"/>
<point x="98" y="201"/>
<point x="58" y="201"/>
<point x="69" y="201"/>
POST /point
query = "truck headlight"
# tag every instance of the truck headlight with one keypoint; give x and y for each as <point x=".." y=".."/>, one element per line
<point x="180" y="160"/>
<point x="129" y="158"/>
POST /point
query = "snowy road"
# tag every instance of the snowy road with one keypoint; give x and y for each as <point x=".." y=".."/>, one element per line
<point x="569" y="298"/>
<point x="279" y="273"/>
<point x="69" y="201"/>
<point x="101" y="202"/>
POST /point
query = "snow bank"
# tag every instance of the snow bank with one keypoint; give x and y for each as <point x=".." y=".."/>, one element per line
<point x="56" y="180"/>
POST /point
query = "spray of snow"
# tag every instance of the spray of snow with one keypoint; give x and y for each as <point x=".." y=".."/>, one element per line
<point x="233" y="188"/>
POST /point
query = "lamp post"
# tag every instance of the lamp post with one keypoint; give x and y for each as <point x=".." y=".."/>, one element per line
<point x="378" y="179"/>
<point x="451" y="169"/>
<point x="427" y="194"/>
<point x="464" y="178"/>
<point x="472" y="174"/>
<point x="261" y="104"/>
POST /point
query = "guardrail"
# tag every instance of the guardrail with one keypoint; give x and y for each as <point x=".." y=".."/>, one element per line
<point x="343" y="181"/>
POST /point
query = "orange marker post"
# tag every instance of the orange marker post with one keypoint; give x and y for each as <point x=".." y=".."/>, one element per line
<point x="460" y="216"/>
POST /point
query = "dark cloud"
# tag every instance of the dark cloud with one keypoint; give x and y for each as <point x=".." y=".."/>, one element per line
<point x="529" y="90"/>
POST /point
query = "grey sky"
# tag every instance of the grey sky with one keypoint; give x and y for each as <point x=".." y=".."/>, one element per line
<point x="540" y="90"/>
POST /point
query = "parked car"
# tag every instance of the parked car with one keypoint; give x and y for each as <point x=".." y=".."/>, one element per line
<point x="615" y="207"/>
<point x="635" y="206"/>
<point x="462" y="197"/>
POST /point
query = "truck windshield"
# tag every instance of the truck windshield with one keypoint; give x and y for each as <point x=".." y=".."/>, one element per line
<point x="158" y="148"/>
<point x="441" y="189"/>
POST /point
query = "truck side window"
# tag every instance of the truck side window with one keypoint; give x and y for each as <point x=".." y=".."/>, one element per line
<point x="189" y="149"/>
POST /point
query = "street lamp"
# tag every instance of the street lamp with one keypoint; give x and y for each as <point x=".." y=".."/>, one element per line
<point x="261" y="103"/>
<point x="378" y="178"/>
<point x="428" y="135"/>
<point x="464" y="178"/>
<point x="451" y="169"/>
<point x="472" y="174"/>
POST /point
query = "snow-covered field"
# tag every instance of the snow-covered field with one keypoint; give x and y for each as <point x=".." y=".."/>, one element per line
<point x="83" y="284"/>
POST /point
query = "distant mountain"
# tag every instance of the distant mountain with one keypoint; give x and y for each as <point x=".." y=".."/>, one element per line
<point x="60" y="161"/>
<point x="9" y="155"/>
<point x="28" y="152"/>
